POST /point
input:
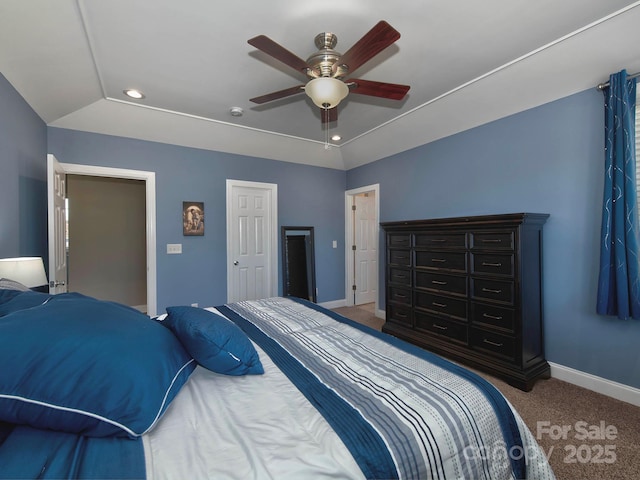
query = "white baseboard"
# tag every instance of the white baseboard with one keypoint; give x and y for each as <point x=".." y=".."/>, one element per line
<point x="597" y="384"/>
<point x="334" y="304"/>
<point x="601" y="385"/>
<point x="343" y="303"/>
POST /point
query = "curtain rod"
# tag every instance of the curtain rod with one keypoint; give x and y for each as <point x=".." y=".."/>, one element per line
<point x="602" y="86"/>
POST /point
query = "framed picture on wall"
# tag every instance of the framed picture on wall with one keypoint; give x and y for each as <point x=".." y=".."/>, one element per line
<point x="193" y="218"/>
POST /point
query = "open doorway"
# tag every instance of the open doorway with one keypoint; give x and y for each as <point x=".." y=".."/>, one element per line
<point x="106" y="251"/>
<point x="361" y="252"/>
<point x="57" y="250"/>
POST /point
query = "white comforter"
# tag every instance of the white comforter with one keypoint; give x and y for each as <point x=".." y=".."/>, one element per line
<point x="212" y="431"/>
<point x="262" y="427"/>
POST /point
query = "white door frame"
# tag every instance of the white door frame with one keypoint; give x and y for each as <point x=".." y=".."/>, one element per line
<point x="273" y="229"/>
<point x="150" y="183"/>
<point x="348" y="229"/>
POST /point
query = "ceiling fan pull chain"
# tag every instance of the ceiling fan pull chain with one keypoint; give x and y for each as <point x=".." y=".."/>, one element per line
<point x="326" y="137"/>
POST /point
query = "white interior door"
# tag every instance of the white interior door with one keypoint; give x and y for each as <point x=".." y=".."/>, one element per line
<point x="57" y="224"/>
<point x="251" y="240"/>
<point x="366" y="251"/>
<point x="366" y="255"/>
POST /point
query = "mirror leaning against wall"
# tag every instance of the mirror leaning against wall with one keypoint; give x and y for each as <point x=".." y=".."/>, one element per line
<point x="298" y="263"/>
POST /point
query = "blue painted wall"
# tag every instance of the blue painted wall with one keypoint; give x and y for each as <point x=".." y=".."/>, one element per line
<point x="546" y="160"/>
<point x="309" y="196"/>
<point x="23" y="172"/>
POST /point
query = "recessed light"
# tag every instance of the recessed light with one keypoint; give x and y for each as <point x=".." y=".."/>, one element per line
<point x="335" y="138"/>
<point x="133" y="93"/>
<point x="236" y="111"/>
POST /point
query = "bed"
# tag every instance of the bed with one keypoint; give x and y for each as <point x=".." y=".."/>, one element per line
<point x="268" y="389"/>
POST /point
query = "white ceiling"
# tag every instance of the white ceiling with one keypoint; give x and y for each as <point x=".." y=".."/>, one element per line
<point x="467" y="62"/>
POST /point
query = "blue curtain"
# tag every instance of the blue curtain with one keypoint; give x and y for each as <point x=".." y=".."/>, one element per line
<point x="619" y="282"/>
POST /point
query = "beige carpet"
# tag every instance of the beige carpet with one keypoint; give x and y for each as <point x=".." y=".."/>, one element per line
<point x="586" y="436"/>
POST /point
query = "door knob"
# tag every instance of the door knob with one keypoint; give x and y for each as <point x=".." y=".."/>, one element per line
<point x="54" y="283"/>
<point x="236" y="262"/>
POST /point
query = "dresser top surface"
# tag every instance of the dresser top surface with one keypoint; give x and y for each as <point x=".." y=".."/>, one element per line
<point x="479" y="220"/>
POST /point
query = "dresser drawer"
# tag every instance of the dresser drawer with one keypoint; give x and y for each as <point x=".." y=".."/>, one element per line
<point x="400" y="276"/>
<point x="492" y="263"/>
<point x="400" y="314"/>
<point x="442" y="326"/>
<point x="444" y="240"/>
<point x="442" y="283"/>
<point x="399" y="240"/>
<point x="451" y="307"/>
<point x="493" y="316"/>
<point x="492" y="240"/>
<point x="453" y="261"/>
<point x="502" y="346"/>
<point x="495" y="290"/>
<point x="400" y="295"/>
<point x="400" y="257"/>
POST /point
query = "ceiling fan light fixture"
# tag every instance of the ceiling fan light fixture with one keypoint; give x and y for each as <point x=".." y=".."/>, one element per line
<point x="326" y="92"/>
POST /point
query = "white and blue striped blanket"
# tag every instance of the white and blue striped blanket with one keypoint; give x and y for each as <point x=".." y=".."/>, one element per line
<point x="402" y="411"/>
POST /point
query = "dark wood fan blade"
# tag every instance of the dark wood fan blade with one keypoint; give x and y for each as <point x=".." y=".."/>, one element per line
<point x="373" y="42"/>
<point x="287" y="92"/>
<point x="329" y="115"/>
<point x="377" y="89"/>
<point x="268" y="46"/>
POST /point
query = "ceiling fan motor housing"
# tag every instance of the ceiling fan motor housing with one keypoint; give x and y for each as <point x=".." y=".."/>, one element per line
<point x="321" y="63"/>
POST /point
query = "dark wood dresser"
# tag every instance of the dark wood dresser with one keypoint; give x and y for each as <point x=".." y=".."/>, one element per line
<point x="470" y="288"/>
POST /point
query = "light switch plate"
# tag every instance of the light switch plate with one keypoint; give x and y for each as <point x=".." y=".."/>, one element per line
<point x="174" y="248"/>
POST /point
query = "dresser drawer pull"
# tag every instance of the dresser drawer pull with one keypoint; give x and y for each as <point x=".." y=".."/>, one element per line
<point x="490" y="290"/>
<point x="438" y="282"/>
<point x="487" y="264"/>
<point x="440" y="327"/>
<point x="438" y="240"/>
<point x="495" y="344"/>
<point x="439" y="260"/>
<point x="402" y="257"/>
<point x="399" y="276"/>
<point x="441" y="305"/>
<point x="491" y="240"/>
<point x="400" y="295"/>
<point x="401" y="315"/>
<point x="494" y="317"/>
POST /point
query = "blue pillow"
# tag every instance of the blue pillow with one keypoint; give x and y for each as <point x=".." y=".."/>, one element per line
<point x="80" y="365"/>
<point x="20" y="301"/>
<point x="6" y="295"/>
<point x="213" y="341"/>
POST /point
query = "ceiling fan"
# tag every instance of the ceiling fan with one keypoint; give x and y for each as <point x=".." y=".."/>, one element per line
<point x="327" y="69"/>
